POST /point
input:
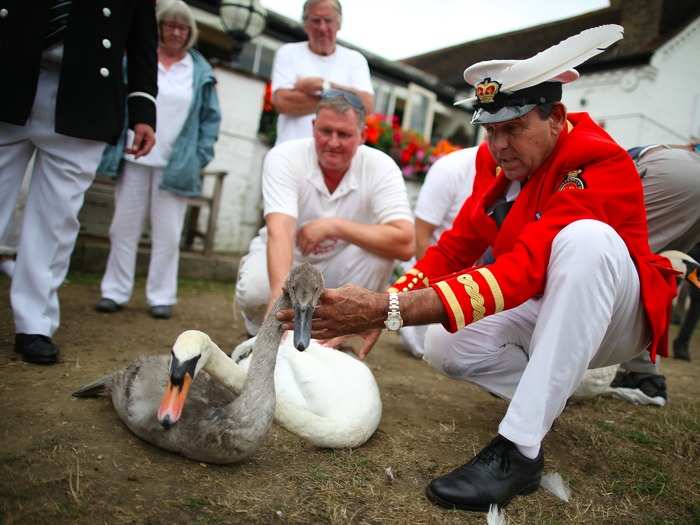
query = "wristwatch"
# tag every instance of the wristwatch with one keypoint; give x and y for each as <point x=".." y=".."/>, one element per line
<point x="325" y="86"/>
<point x="393" y="319"/>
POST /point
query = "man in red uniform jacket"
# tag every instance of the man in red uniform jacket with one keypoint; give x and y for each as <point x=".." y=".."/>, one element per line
<point x="573" y="284"/>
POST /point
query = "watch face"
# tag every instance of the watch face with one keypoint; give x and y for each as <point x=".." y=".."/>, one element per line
<point x="393" y="323"/>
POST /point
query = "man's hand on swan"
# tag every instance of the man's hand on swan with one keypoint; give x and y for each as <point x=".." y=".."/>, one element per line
<point x="351" y="309"/>
<point x="348" y="310"/>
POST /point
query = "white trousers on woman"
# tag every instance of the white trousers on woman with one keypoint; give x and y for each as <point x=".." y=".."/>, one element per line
<point x="138" y="190"/>
<point x="64" y="168"/>
<point x="351" y="265"/>
<point x="536" y="354"/>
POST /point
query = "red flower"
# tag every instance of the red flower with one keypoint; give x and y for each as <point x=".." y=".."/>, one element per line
<point x="409" y="149"/>
<point x="267" y="98"/>
<point x="372" y="134"/>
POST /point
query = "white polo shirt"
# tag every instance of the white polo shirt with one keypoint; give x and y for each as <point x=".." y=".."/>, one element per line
<point x="447" y="185"/>
<point x="371" y="192"/>
<point x="175" y="93"/>
<point x="294" y="61"/>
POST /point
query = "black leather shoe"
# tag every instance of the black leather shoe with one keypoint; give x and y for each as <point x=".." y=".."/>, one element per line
<point x="107" y="306"/>
<point x="163" y="311"/>
<point x="495" y="476"/>
<point x="36" y="348"/>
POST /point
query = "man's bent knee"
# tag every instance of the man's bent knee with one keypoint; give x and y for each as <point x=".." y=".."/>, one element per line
<point x="588" y="241"/>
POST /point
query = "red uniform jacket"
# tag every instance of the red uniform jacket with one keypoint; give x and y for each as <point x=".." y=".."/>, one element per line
<point x="587" y="176"/>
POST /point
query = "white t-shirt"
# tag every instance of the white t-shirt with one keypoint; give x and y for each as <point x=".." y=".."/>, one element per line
<point x="371" y="192"/>
<point x="175" y="93"/>
<point x="447" y="185"/>
<point x="295" y="61"/>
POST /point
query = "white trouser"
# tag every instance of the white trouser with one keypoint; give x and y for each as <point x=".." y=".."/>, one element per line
<point x="413" y="339"/>
<point x="537" y="353"/>
<point x="10" y="239"/>
<point x="351" y="265"/>
<point x="64" y="168"/>
<point x="671" y="181"/>
<point x="137" y="190"/>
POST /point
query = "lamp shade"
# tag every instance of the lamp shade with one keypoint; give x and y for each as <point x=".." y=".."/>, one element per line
<point x="242" y="19"/>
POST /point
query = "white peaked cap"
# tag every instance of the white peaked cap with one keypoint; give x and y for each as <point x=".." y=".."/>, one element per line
<point x="498" y="68"/>
<point x="553" y="65"/>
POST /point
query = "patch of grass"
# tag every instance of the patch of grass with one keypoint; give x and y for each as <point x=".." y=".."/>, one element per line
<point x="640" y="437"/>
<point x="84" y="278"/>
<point x="317" y="473"/>
<point x="694" y="511"/>
<point x="636" y="435"/>
<point x="657" y="520"/>
<point x="205" y="285"/>
<point x="617" y="487"/>
<point x="183" y="283"/>
<point x="6" y="459"/>
<point x="606" y="425"/>
<point x="652" y="484"/>
<point x="691" y="425"/>
<point x="195" y="504"/>
<point x="67" y="509"/>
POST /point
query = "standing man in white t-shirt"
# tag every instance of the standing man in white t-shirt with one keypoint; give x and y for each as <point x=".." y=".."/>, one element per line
<point x="303" y="70"/>
<point x="447" y="185"/>
<point x="329" y="200"/>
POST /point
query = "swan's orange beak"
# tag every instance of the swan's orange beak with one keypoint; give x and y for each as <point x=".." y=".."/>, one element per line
<point x="173" y="402"/>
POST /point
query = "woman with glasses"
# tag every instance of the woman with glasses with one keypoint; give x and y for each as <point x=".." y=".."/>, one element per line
<point x="188" y="127"/>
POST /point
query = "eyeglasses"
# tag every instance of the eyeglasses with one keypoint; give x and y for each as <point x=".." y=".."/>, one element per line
<point x="347" y="96"/>
<point x="317" y="21"/>
<point x="174" y="26"/>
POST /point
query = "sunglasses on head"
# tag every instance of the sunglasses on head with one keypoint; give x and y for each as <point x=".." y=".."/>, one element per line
<point x="347" y="96"/>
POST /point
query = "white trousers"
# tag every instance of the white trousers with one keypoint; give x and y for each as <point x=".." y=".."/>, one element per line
<point x="138" y="190"/>
<point x="536" y="354"/>
<point x="64" y="168"/>
<point x="351" y="265"/>
<point x="10" y="239"/>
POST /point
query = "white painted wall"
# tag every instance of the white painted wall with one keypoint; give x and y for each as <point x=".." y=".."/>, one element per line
<point x="651" y="104"/>
<point x="239" y="152"/>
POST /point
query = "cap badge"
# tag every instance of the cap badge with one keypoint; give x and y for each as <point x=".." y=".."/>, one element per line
<point x="487" y="89"/>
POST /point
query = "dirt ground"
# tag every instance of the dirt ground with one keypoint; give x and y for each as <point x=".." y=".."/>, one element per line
<point x="66" y="460"/>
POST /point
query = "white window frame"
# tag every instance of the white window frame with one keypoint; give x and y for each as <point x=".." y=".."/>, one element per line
<point x="410" y="108"/>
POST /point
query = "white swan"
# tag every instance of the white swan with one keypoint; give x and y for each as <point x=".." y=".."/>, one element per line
<point x="325" y="396"/>
<point x="201" y="419"/>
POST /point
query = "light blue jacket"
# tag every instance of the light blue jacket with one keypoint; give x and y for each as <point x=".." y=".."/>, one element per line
<point x="193" y="148"/>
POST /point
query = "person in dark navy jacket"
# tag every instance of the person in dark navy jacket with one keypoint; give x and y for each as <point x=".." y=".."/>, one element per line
<point x="63" y="98"/>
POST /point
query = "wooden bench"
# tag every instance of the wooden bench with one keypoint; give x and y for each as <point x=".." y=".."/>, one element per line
<point x="97" y="212"/>
<point x="213" y="203"/>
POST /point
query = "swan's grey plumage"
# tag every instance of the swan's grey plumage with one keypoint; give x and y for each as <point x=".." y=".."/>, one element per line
<point x="214" y="426"/>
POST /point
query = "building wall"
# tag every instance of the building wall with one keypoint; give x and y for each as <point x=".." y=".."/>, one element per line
<point x="240" y="153"/>
<point x="659" y="102"/>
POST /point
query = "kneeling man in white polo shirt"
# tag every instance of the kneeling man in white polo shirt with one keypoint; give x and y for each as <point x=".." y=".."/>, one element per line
<point x="332" y="201"/>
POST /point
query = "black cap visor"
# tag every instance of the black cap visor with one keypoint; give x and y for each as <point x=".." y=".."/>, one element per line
<point x="484" y="116"/>
<point x="509" y="106"/>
